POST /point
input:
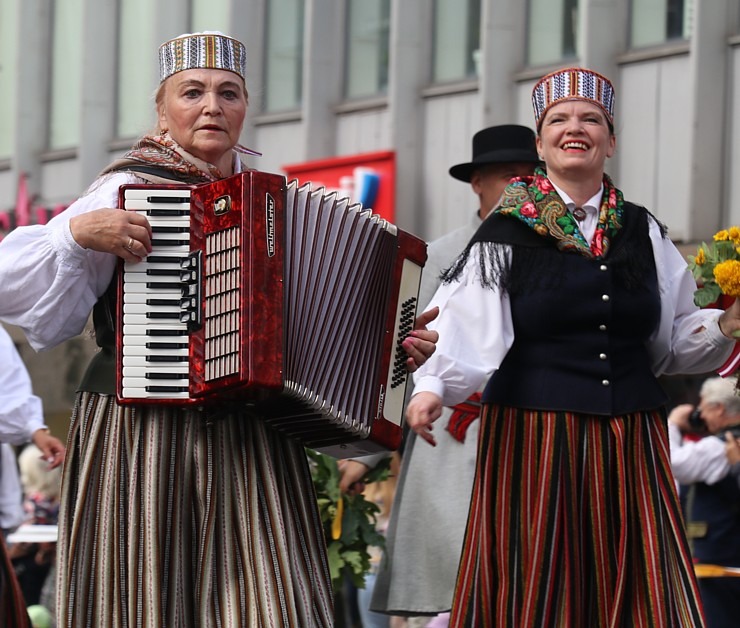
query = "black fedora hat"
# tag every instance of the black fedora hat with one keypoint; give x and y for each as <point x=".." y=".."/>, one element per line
<point x="499" y="144"/>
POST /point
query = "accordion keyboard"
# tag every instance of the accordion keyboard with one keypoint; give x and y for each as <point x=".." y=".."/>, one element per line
<point x="155" y="299"/>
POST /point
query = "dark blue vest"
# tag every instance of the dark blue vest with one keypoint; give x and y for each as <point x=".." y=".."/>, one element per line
<point x="581" y="330"/>
<point x="714" y="520"/>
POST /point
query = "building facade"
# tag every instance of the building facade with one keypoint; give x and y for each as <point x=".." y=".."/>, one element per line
<point x="341" y="79"/>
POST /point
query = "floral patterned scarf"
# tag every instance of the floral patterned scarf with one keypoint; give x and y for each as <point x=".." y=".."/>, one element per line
<point x="535" y="201"/>
<point x="161" y="151"/>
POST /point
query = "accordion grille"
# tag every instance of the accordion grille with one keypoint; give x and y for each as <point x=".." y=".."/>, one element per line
<point x="222" y="303"/>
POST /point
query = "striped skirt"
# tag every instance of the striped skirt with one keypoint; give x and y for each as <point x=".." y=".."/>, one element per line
<point x="12" y="605"/>
<point x="169" y="519"/>
<point x="574" y="522"/>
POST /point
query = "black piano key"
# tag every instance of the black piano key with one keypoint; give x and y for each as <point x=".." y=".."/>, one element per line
<point x="166" y="389"/>
<point x="156" y="375"/>
<point x="166" y="358"/>
<point x="164" y="259"/>
<point x="164" y="285"/>
<point x="167" y="199"/>
<point x="166" y="345"/>
<point x="163" y="315"/>
<point x="163" y="272"/>
<point x="167" y="229"/>
<point x="165" y="302"/>
<point x="166" y="332"/>
<point x="161" y="242"/>
<point x="167" y="212"/>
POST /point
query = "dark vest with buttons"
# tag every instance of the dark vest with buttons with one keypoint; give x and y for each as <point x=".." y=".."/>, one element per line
<point x="581" y="325"/>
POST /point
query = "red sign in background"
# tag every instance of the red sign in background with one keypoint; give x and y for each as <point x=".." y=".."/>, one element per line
<point x="336" y="173"/>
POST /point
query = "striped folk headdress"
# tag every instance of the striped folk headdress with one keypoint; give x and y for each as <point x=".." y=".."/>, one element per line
<point x="572" y="84"/>
<point x="209" y="50"/>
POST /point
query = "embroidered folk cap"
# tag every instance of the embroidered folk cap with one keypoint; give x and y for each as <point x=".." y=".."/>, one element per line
<point x="210" y="50"/>
<point x="572" y="84"/>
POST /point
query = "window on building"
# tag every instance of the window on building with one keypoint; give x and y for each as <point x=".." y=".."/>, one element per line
<point x="656" y="21"/>
<point x="210" y="15"/>
<point x="284" y="55"/>
<point x="66" y="74"/>
<point x="456" y="39"/>
<point x="8" y="74"/>
<point x="552" y="31"/>
<point x="137" y="74"/>
<point x="367" y="48"/>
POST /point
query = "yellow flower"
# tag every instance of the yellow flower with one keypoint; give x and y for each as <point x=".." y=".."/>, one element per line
<point x="721" y="236"/>
<point x="700" y="257"/>
<point x="734" y="233"/>
<point x="727" y="276"/>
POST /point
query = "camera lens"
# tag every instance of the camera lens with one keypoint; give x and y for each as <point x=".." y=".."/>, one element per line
<point x="695" y="420"/>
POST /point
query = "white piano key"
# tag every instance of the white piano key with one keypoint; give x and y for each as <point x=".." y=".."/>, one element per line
<point x="139" y="205"/>
<point x="144" y="308"/>
<point x="143" y="278"/>
<point x="145" y="193"/>
<point x="141" y="319"/>
<point x="141" y="361"/>
<point x="141" y="393"/>
<point x="140" y="287"/>
<point x="143" y="297"/>
<point x="141" y="330"/>
<point x="142" y="372"/>
<point x="136" y="349"/>
<point x="144" y="265"/>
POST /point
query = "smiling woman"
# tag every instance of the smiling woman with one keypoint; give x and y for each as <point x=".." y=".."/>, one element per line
<point x="570" y="302"/>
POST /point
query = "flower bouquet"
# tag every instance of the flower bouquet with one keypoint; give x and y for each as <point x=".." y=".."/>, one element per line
<point x="716" y="268"/>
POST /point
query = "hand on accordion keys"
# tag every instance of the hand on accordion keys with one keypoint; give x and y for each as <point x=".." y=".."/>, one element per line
<point x="421" y="342"/>
<point x="123" y="233"/>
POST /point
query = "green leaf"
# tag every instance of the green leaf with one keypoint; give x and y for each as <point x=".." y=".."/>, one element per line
<point x="336" y="562"/>
<point x="706" y="295"/>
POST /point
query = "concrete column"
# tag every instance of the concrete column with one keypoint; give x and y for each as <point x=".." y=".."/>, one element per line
<point x="32" y="90"/>
<point x="323" y="50"/>
<point x="602" y="28"/>
<point x="98" y="103"/>
<point x="248" y="26"/>
<point x="503" y="33"/>
<point x="410" y="58"/>
<point x="710" y="118"/>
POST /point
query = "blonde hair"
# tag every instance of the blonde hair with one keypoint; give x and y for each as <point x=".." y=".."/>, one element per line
<point x="36" y="477"/>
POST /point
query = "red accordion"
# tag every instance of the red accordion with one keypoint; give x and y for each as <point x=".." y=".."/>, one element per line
<point x="286" y="299"/>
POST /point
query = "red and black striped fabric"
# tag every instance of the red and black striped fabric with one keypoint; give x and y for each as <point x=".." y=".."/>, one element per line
<point x="574" y="522"/>
<point x="12" y="605"/>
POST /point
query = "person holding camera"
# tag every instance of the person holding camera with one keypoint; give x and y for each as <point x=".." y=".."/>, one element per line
<point x="710" y="493"/>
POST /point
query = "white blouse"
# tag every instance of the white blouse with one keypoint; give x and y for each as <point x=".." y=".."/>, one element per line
<point x="476" y="330"/>
<point x="21" y="412"/>
<point x="49" y="283"/>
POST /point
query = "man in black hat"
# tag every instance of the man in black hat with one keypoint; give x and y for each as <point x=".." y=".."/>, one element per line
<point x="499" y="154"/>
<point x="425" y="533"/>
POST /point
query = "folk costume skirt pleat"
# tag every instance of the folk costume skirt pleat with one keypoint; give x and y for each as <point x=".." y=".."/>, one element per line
<point x="575" y="522"/>
<point x="12" y="605"/>
<point x="171" y="520"/>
